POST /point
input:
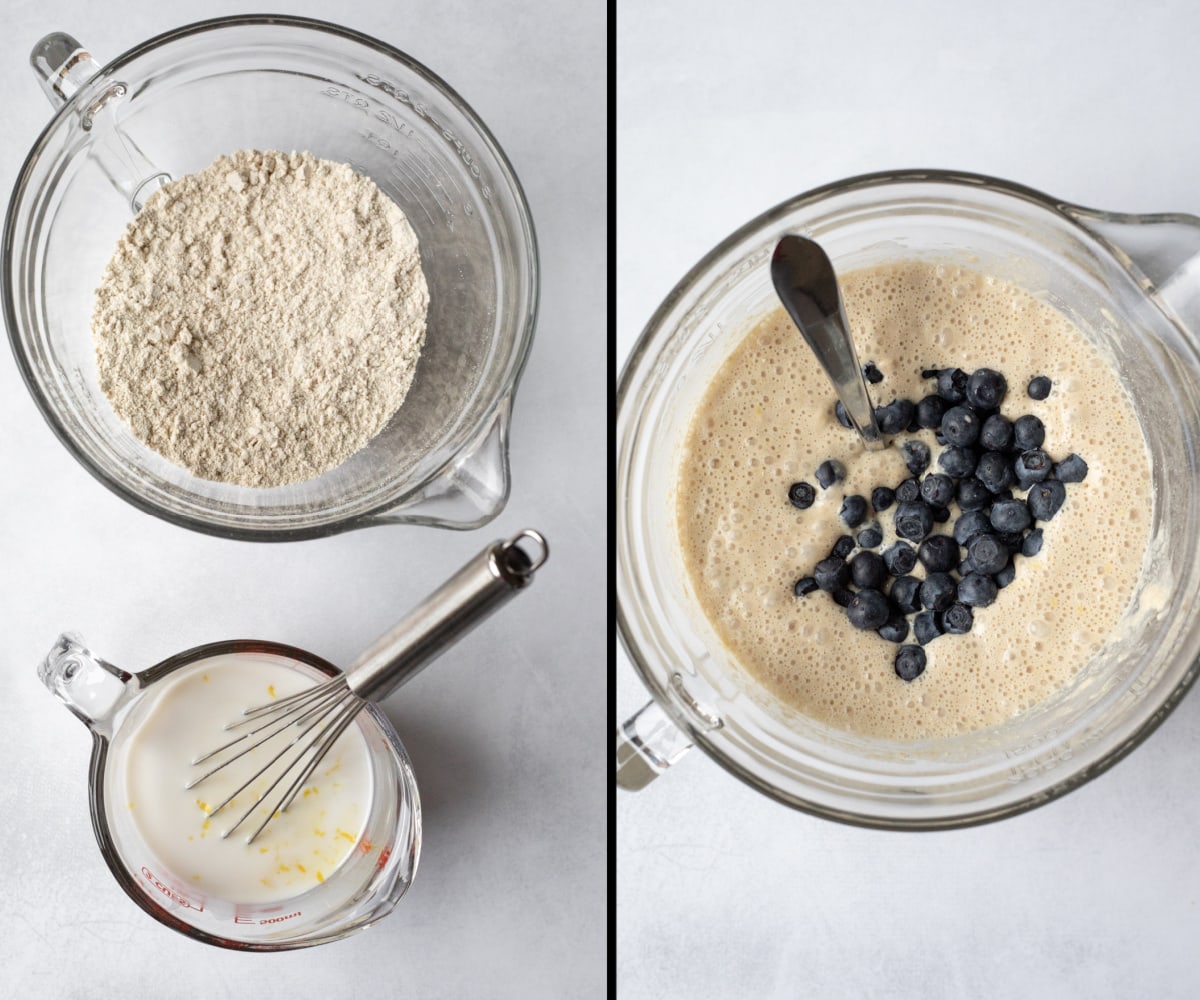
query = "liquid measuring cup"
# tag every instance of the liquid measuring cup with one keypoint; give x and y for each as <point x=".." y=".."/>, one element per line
<point x="172" y="105"/>
<point x="375" y="868"/>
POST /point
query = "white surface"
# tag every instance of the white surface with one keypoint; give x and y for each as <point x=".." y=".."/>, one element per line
<point x="509" y="897"/>
<point x="725" y="110"/>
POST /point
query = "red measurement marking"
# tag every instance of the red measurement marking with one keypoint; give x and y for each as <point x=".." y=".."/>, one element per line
<point x="383" y="857"/>
<point x="171" y="893"/>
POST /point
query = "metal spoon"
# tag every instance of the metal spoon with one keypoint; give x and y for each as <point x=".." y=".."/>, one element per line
<point x="805" y="283"/>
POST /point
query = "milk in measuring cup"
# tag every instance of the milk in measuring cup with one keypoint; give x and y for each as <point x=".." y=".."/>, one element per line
<point x="298" y="850"/>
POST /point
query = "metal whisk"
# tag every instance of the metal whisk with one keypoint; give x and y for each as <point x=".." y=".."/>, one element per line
<point x="326" y="710"/>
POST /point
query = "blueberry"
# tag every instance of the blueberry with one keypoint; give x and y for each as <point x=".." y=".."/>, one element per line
<point x="895" y="629"/>
<point x="1028" y="433"/>
<point x="1046" y="498"/>
<point x="958" y="462"/>
<point x="986" y="389"/>
<point x="843" y="596"/>
<point x="906" y="594"/>
<point x="867" y="570"/>
<point x="842" y="547"/>
<point x="801" y="495"/>
<point x="987" y="554"/>
<point x="925" y="627"/>
<point x="872" y="374"/>
<point x="913" y="521"/>
<point x="910" y="662"/>
<point x="971" y="524"/>
<point x="960" y="426"/>
<point x="1032" y="544"/>
<point x="843" y="417"/>
<point x="854" y="510"/>
<point x="830" y="472"/>
<point x="1011" y="540"/>
<point x="1010" y="515"/>
<point x="976" y="590"/>
<point x="900" y="558"/>
<point x="938" y="553"/>
<point x="1006" y="575"/>
<point x="995" y="471"/>
<point x="952" y="384"/>
<point x="930" y="411"/>
<point x="831" y="574"/>
<point x="1039" y="387"/>
<point x="940" y="514"/>
<point x="908" y="491"/>
<point x="916" y="456"/>
<point x="937" y="591"/>
<point x="996" y="434"/>
<point x="870" y="537"/>
<point x="957" y="619"/>
<point x="882" y="497"/>
<point x="805" y="585"/>
<point x="868" y="610"/>
<point x="1031" y="467"/>
<point x="895" y="417"/>
<point x="1071" y="469"/>
<point x="937" y="489"/>
<point x="972" y="494"/>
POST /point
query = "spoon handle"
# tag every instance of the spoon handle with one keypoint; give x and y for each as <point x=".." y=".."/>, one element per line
<point x="806" y="284"/>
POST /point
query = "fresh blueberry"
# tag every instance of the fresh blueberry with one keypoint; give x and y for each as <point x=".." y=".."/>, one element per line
<point x="940" y="514"/>
<point x="913" y="521"/>
<point x="867" y="570"/>
<point x="1032" y="544"/>
<point x="870" y="537"/>
<point x="1028" y="433"/>
<point x="882" y="497"/>
<point x="895" y="629"/>
<point x="972" y="494"/>
<point x="842" y="547"/>
<point x="830" y="472"/>
<point x="986" y="389"/>
<point x="987" y="554"/>
<point x="895" y="417"/>
<point x="843" y="596"/>
<point x="831" y="574"/>
<point x="1011" y="540"/>
<point x="908" y="491"/>
<point x="925" y="627"/>
<point x="900" y="558"/>
<point x="938" y="553"/>
<point x="996" y="434"/>
<point x="843" y="417"/>
<point x="910" y="662"/>
<point x="805" y="585"/>
<point x="906" y="594"/>
<point x="872" y="374"/>
<point x="854" y="510"/>
<point x="960" y="426"/>
<point x="937" y="489"/>
<point x="937" y="591"/>
<point x="957" y="619"/>
<point x="1039" y="387"/>
<point x="801" y="495"/>
<point x="1031" y="467"/>
<point x="971" y="524"/>
<point x="1010" y="515"/>
<point x="868" y="610"/>
<point x="1046" y="498"/>
<point x="1006" y="575"/>
<point x="1071" y="469"/>
<point x="995" y="471"/>
<point x="952" y="384"/>
<point x="916" y="456"/>
<point x="930" y="411"/>
<point x="976" y="590"/>
<point x="958" y="462"/>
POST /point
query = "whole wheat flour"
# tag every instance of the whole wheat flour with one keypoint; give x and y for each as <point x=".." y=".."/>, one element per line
<point x="261" y="320"/>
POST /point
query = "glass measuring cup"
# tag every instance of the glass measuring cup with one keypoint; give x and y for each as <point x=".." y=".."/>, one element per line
<point x="365" y="887"/>
<point x="1132" y="285"/>
<point x="170" y="106"/>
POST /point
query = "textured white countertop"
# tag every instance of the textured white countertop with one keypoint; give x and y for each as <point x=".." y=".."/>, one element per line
<point x="725" y="110"/>
<point x="509" y="900"/>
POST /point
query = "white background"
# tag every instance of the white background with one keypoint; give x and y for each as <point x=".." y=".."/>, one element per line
<point x="725" y="110"/>
<point x="509" y="900"/>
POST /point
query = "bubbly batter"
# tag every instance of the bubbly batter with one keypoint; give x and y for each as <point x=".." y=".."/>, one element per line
<point x="767" y="420"/>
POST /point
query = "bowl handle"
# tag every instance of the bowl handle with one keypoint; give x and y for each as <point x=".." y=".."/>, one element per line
<point x="648" y="743"/>
<point x="63" y="67"/>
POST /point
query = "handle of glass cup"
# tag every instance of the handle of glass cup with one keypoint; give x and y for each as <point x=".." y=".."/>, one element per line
<point x="648" y="743"/>
<point x="92" y="688"/>
<point x="63" y="67"/>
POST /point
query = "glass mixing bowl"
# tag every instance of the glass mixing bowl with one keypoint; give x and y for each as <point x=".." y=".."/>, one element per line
<point x="169" y="107"/>
<point x="1131" y="285"/>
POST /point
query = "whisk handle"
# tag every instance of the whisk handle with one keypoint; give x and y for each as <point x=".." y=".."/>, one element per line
<point x="484" y="584"/>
